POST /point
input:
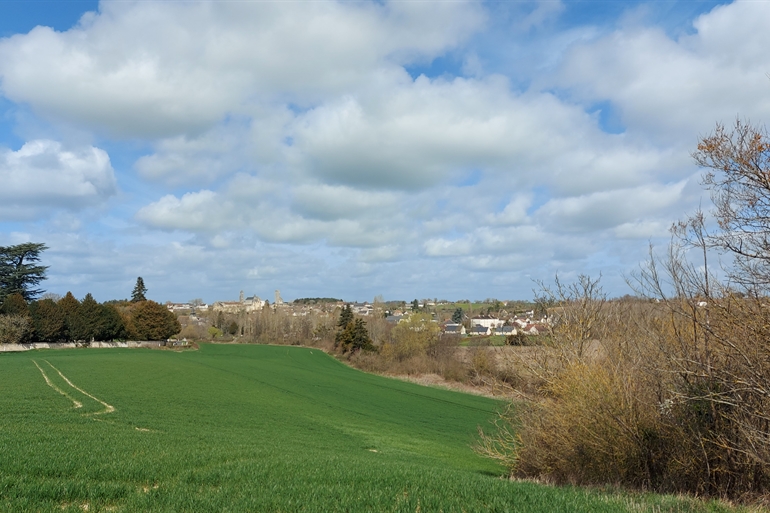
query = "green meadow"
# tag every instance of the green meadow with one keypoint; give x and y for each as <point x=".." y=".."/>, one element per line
<point x="252" y="428"/>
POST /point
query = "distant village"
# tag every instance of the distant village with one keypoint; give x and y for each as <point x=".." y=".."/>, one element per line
<point x="502" y="322"/>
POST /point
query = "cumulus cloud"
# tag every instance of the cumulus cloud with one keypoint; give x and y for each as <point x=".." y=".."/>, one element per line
<point x="194" y="211"/>
<point x="326" y="202"/>
<point x="180" y="160"/>
<point x="164" y="68"/>
<point x="341" y="216"/>
<point x="42" y="176"/>
<point x="677" y="88"/>
<point x="302" y="128"/>
<point x="420" y="133"/>
<point x="609" y="209"/>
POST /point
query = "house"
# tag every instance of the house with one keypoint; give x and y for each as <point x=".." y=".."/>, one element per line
<point x="480" y="331"/>
<point x="535" y="329"/>
<point x="521" y="322"/>
<point x="454" y="329"/>
<point x="362" y="308"/>
<point x="507" y="330"/>
<point x="487" y="321"/>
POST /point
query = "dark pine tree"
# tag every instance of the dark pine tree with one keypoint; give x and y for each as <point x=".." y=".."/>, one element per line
<point x="346" y="317"/>
<point x="139" y="291"/>
<point x="48" y="320"/>
<point x="354" y="337"/>
<point x="69" y="306"/>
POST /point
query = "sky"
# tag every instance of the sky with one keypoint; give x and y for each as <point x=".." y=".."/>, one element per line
<point x="409" y="149"/>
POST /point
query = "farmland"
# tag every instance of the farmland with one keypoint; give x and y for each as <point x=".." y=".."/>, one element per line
<point x="251" y="428"/>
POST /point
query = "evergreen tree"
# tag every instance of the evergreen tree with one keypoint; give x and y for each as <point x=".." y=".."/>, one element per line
<point x="15" y="304"/>
<point x="48" y="321"/>
<point x="69" y="308"/>
<point x="20" y="271"/>
<point x="112" y="325"/>
<point x="89" y="315"/>
<point x="346" y="317"/>
<point x="457" y="316"/>
<point x="139" y="291"/>
<point x="153" y="321"/>
<point x="354" y="337"/>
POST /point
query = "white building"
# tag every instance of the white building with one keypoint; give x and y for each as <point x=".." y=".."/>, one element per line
<point x="487" y="322"/>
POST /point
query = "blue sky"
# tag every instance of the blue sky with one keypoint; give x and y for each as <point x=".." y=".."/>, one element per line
<point x="407" y="149"/>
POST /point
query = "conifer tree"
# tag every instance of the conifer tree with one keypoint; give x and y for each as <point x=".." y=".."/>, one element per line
<point x="346" y="317"/>
<point x="153" y="321"/>
<point x="48" y="321"/>
<point x="20" y="271"/>
<point x="69" y="308"/>
<point x="139" y="291"/>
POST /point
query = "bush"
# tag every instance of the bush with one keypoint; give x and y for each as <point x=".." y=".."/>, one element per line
<point x="416" y="336"/>
<point x="14" y="329"/>
<point x="669" y="395"/>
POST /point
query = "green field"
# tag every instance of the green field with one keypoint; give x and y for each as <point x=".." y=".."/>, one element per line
<point x="251" y="428"/>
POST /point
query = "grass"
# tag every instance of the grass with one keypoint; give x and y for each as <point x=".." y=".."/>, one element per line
<point x="252" y="428"/>
<point x="488" y="340"/>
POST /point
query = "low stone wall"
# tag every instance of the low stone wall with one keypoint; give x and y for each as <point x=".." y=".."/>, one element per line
<point x="11" y="348"/>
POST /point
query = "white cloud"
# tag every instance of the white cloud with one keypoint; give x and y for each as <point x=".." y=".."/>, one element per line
<point x="181" y="160"/>
<point x="194" y="211"/>
<point x="515" y="212"/>
<point x="417" y="134"/>
<point x="43" y="176"/>
<point x="326" y="202"/>
<point x="674" y="90"/>
<point x="165" y="68"/>
<point x="279" y="130"/>
<point x="545" y="10"/>
<point x="609" y="209"/>
<point x="341" y="216"/>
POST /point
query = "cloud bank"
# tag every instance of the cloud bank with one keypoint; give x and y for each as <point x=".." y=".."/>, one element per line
<point x="369" y="138"/>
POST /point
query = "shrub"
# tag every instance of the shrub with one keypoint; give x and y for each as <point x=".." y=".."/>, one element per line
<point x="14" y="329"/>
<point x="669" y="395"/>
<point x="416" y="336"/>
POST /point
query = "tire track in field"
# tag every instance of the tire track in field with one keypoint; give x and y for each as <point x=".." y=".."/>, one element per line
<point x="78" y="404"/>
<point x="108" y="408"/>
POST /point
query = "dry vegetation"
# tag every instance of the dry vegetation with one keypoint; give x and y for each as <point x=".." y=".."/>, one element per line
<point x="670" y="396"/>
<point x="669" y="393"/>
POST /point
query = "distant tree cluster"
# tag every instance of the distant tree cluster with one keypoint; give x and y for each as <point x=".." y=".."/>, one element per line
<point x="50" y="320"/>
<point x="68" y="319"/>
<point x="315" y="300"/>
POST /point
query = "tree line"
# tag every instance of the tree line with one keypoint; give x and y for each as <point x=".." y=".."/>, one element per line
<point x="25" y="318"/>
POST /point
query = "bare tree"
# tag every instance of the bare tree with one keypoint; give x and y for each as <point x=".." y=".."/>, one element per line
<point x="738" y="164"/>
